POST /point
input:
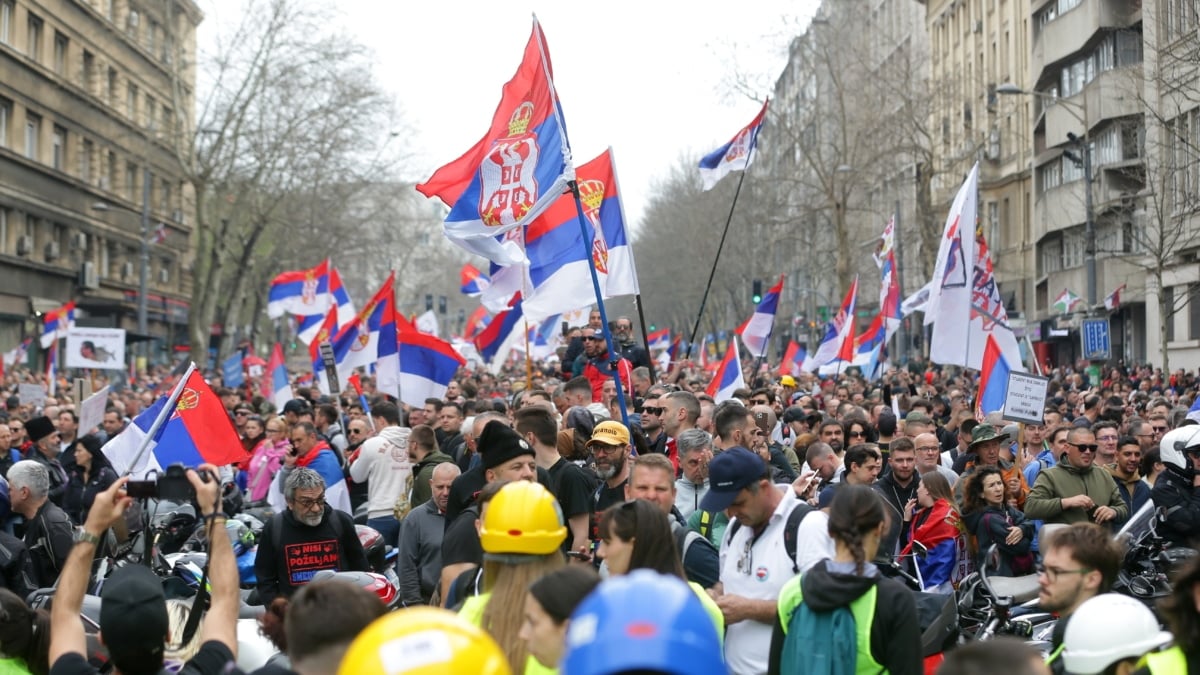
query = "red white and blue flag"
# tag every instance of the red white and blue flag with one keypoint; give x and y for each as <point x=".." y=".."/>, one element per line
<point x="159" y="235"/>
<point x="276" y="386"/>
<point x="308" y="326"/>
<point x="369" y="340"/>
<point x="189" y="426"/>
<point x="889" y="288"/>
<point x="325" y="333"/>
<point x="56" y="323"/>
<point x="756" y="331"/>
<point x="793" y="356"/>
<point x="495" y="340"/>
<point x="558" y="277"/>
<point x="300" y="292"/>
<point x="993" y="378"/>
<point x="838" y="342"/>
<point x="517" y="170"/>
<point x="728" y="377"/>
<point x="473" y="281"/>
<point x="659" y="339"/>
<point x="735" y="155"/>
<point x="476" y="322"/>
<point x="427" y="364"/>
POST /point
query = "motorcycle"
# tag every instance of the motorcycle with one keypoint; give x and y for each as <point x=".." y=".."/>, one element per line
<point x="1149" y="559"/>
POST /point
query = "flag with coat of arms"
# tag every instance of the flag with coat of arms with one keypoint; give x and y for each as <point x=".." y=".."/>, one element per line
<point x="1066" y="302"/>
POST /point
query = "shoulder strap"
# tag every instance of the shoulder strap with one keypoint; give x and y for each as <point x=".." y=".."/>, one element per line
<point x="276" y="529"/>
<point x="789" y="531"/>
<point x="706" y="524"/>
<point x="732" y="530"/>
<point x="335" y="520"/>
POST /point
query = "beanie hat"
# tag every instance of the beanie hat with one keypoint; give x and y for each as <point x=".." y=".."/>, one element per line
<point x="499" y="443"/>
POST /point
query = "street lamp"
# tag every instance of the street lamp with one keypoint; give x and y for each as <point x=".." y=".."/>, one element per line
<point x="144" y="253"/>
<point x="1080" y="113"/>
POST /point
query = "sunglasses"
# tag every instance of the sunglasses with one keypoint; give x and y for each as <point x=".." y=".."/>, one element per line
<point x="594" y="338"/>
<point x="354" y="431"/>
<point x="1085" y="447"/>
<point x="652" y="410"/>
<point x="857" y="434"/>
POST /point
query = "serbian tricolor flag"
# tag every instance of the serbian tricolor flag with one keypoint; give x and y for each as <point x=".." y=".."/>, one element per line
<point x="276" y="387"/>
<point x="993" y="378"/>
<point x="476" y="322"/>
<point x="756" y="331"/>
<point x="659" y="339"/>
<point x="190" y="426"/>
<point x="300" y="292"/>
<point x="325" y="333"/>
<point x="427" y="364"/>
<point x="473" y="281"/>
<point x="52" y="369"/>
<point x="519" y="168"/>
<point x="1112" y="301"/>
<point x="728" y="377"/>
<point x="735" y="155"/>
<point x="500" y="331"/>
<point x="838" y="342"/>
<point x="309" y="325"/>
<point x="369" y="340"/>
<point x="56" y="323"/>
<point x="792" y="358"/>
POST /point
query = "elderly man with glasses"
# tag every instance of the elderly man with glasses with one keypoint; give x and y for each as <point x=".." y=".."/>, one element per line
<point x="1077" y="490"/>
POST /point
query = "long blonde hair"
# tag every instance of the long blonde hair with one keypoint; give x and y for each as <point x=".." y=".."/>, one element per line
<point x="505" y="611"/>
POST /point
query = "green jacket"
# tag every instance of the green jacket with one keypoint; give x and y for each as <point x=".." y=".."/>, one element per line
<point x="1063" y="480"/>
<point x="422" y="473"/>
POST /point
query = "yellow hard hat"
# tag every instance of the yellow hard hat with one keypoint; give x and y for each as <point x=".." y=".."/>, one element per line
<point x="523" y="517"/>
<point x="423" y="641"/>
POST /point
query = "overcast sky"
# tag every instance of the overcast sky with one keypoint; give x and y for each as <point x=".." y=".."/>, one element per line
<point x="652" y="78"/>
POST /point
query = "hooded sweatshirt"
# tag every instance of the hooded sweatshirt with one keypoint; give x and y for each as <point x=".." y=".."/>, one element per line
<point x="422" y="472"/>
<point x="384" y="465"/>
<point x="895" y="631"/>
<point x="688" y="495"/>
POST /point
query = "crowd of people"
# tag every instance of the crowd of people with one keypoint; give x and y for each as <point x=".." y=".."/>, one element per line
<point x="560" y="521"/>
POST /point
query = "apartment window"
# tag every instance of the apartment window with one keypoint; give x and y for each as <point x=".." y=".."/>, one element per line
<point x="1072" y="250"/>
<point x="131" y="23"/>
<point x="7" y="9"/>
<point x="1051" y="259"/>
<point x="33" y="128"/>
<point x="1050" y="175"/>
<point x="105" y="257"/>
<point x="166" y="271"/>
<point x="85" y="160"/>
<point x="131" y="182"/>
<point x="3" y="229"/>
<point x="1194" y="311"/>
<point x="110" y="172"/>
<point x="993" y="235"/>
<point x="151" y="112"/>
<point x="110" y="9"/>
<point x="152" y="36"/>
<point x="166" y="119"/>
<point x="110" y="91"/>
<point x="5" y="115"/>
<point x="1071" y="171"/>
<point x="164" y="194"/>
<point x="33" y="42"/>
<point x="131" y="101"/>
<point x="61" y="45"/>
<point x="1169" y="303"/>
<point x="58" y="146"/>
<point x="1108" y="147"/>
<point x="88" y="74"/>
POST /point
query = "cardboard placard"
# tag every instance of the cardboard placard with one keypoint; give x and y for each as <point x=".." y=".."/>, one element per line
<point x="100" y="348"/>
<point x="1025" y="400"/>
<point x="331" y="373"/>
<point x="91" y="411"/>
<point x="32" y="394"/>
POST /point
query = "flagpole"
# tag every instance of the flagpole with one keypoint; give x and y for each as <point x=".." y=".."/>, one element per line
<point x="637" y="298"/>
<point x="163" y="415"/>
<point x="614" y="355"/>
<point x="713" y="272"/>
<point x="528" y="357"/>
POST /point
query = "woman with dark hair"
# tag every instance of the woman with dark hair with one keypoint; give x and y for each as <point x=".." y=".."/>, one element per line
<point x="24" y="637"/>
<point x="636" y="535"/>
<point x="91" y="475"/>
<point x="253" y="429"/>
<point x="885" y="615"/>
<point x="936" y="525"/>
<point x="858" y="431"/>
<point x="548" y="608"/>
<point x="991" y="521"/>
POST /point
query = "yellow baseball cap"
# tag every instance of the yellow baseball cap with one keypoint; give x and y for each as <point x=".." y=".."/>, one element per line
<point x="610" y="432"/>
<point x="787" y="381"/>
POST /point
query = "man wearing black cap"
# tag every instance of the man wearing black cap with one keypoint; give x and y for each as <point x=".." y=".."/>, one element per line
<point x="505" y="456"/>
<point x="133" y="612"/>
<point x="754" y="561"/>
<point x="44" y="436"/>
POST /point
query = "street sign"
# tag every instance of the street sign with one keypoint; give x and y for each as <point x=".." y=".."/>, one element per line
<point x="1097" y="345"/>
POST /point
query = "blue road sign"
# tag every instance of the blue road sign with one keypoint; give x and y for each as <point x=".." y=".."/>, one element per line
<point x="1097" y="345"/>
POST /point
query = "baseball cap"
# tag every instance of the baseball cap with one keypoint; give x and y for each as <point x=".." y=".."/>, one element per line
<point x="610" y="432"/>
<point x="295" y="406"/>
<point x="729" y="473"/>
<point x="133" y="620"/>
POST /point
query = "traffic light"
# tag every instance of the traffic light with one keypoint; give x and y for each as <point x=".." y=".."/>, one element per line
<point x="442" y="305"/>
<point x="757" y="295"/>
<point x="428" y="302"/>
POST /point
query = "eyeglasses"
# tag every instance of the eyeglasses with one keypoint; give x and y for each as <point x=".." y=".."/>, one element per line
<point x="930" y="448"/>
<point x="652" y="410"/>
<point x="857" y="434"/>
<point x="1052" y="573"/>
<point x="594" y="338"/>
<point x="1159" y="430"/>
<point x="1085" y="447"/>
<point x="276" y="430"/>
<point x="606" y="449"/>
<point x="241" y="413"/>
<point x="1107" y="439"/>
<point x="308" y="504"/>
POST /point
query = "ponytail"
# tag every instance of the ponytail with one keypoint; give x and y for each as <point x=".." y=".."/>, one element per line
<point x="855" y="511"/>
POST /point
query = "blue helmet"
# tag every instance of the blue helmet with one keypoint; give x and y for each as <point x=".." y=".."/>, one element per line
<point x="657" y="621"/>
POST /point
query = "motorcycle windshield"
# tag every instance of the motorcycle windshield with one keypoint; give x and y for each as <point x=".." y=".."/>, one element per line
<point x="1139" y="524"/>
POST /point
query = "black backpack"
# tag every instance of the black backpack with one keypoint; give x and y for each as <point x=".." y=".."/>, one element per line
<point x="789" y="531"/>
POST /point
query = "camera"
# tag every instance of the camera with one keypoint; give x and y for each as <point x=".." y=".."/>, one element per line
<point x="172" y="485"/>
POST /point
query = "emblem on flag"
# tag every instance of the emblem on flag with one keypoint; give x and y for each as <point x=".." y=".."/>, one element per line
<point x="509" y="188"/>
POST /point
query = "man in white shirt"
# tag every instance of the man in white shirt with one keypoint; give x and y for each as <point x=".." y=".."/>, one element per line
<point x="754" y="561"/>
<point x="383" y="463"/>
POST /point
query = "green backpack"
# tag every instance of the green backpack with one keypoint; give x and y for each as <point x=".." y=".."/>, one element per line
<point x="821" y="643"/>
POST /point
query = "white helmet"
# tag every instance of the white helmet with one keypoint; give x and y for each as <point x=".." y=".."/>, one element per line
<point x="1095" y="638"/>
<point x="1174" y="445"/>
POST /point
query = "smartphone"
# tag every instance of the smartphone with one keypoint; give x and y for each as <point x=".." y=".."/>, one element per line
<point x="577" y="554"/>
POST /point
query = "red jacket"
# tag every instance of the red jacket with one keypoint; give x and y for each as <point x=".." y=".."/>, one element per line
<point x="597" y="371"/>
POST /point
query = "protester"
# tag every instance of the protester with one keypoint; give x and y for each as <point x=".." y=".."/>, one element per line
<point x="935" y="525"/>
<point x="548" y="607"/>
<point x="48" y="529"/>
<point x="91" y="475"/>
<point x="992" y="522"/>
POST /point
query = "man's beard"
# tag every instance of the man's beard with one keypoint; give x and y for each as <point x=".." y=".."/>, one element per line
<point x="613" y="469"/>
<point x="312" y="520"/>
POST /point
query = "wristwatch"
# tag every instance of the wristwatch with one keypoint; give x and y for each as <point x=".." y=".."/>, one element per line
<point x="87" y="537"/>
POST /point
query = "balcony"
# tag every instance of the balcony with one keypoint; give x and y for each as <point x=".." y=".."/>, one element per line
<point x="1068" y="34"/>
<point x="1058" y="209"/>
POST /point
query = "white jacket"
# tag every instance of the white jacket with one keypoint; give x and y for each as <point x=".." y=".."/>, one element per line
<point x="384" y="465"/>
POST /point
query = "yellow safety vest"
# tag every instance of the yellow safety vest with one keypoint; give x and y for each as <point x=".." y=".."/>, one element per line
<point x="862" y="609"/>
<point x="472" y="610"/>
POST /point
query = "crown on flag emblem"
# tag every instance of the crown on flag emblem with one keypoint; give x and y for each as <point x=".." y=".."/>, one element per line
<point x="591" y="191"/>
<point x="308" y="294"/>
<point x="189" y="398"/>
<point x="322" y="335"/>
<point x="519" y="122"/>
